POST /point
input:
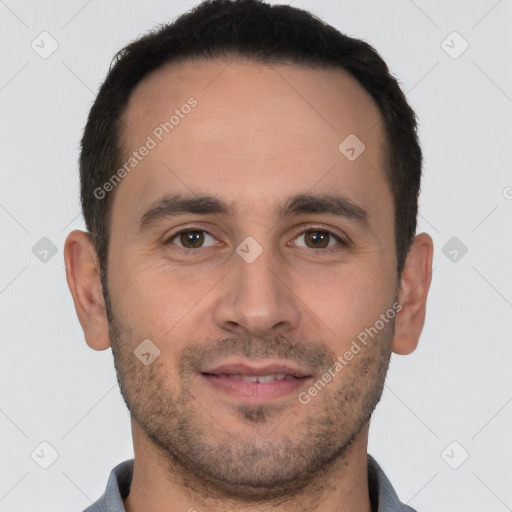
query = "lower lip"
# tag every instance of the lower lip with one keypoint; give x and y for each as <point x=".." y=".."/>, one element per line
<point x="256" y="391"/>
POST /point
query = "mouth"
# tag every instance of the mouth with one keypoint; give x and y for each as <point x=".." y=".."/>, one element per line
<point x="254" y="378"/>
<point x="252" y="383"/>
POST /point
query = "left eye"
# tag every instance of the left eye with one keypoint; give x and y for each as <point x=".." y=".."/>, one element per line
<point x="318" y="239"/>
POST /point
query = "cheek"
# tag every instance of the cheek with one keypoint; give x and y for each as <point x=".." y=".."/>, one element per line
<point x="156" y="300"/>
<point x="347" y="300"/>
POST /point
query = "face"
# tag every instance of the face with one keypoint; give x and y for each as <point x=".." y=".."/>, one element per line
<point x="253" y="254"/>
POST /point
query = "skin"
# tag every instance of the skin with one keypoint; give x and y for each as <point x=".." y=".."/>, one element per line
<point x="258" y="135"/>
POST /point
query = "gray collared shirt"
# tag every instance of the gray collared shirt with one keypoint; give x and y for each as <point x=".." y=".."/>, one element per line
<point x="382" y="494"/>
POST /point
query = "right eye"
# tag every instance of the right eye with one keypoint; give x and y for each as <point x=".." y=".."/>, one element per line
<point x="191" y="239"/>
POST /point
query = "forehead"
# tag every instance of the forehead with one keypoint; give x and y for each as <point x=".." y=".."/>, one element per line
<point x="255" y="131"/>
<point x="330" y="100"/>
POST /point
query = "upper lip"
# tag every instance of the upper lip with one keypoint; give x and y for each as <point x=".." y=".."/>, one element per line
<point x="252" y="369"/>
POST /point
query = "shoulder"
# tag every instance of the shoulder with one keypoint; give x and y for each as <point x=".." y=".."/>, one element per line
<point x="382" y="493"/>
<point x="118" y="487"/>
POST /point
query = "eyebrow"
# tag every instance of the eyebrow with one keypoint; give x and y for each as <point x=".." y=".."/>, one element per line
<point x="177" y="204"/>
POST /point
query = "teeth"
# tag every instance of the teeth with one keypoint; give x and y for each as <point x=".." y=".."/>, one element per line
<point x="260" y="378"/>
<point x="272" y="377"/>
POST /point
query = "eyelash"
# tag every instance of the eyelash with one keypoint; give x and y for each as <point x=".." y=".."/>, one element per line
<point x="300" y="231"/>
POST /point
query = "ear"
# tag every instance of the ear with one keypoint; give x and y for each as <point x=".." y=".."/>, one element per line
<point x="414" y="286"/>
<point x="83" y="277"/>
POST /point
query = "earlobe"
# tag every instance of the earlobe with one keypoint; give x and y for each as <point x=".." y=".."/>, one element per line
<point x="414" y="287"/>
<point x="83" y="278"/>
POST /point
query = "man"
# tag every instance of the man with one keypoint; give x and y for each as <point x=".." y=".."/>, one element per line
<point x="249" y="182"/>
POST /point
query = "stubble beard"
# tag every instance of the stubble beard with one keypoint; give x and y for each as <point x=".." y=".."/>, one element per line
<point x="202" y="453"/>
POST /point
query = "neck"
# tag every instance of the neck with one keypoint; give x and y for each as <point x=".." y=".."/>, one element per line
<point x="160" y="484"/>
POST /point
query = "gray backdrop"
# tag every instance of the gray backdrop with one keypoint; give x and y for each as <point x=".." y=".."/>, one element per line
<point x="442" y="430"/>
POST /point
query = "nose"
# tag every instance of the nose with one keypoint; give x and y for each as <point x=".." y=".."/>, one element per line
<point x="257" y="299"/>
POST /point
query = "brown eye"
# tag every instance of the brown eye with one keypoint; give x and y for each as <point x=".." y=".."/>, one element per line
<point x="318" y="239"/>
<point x="191" y="239"/>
